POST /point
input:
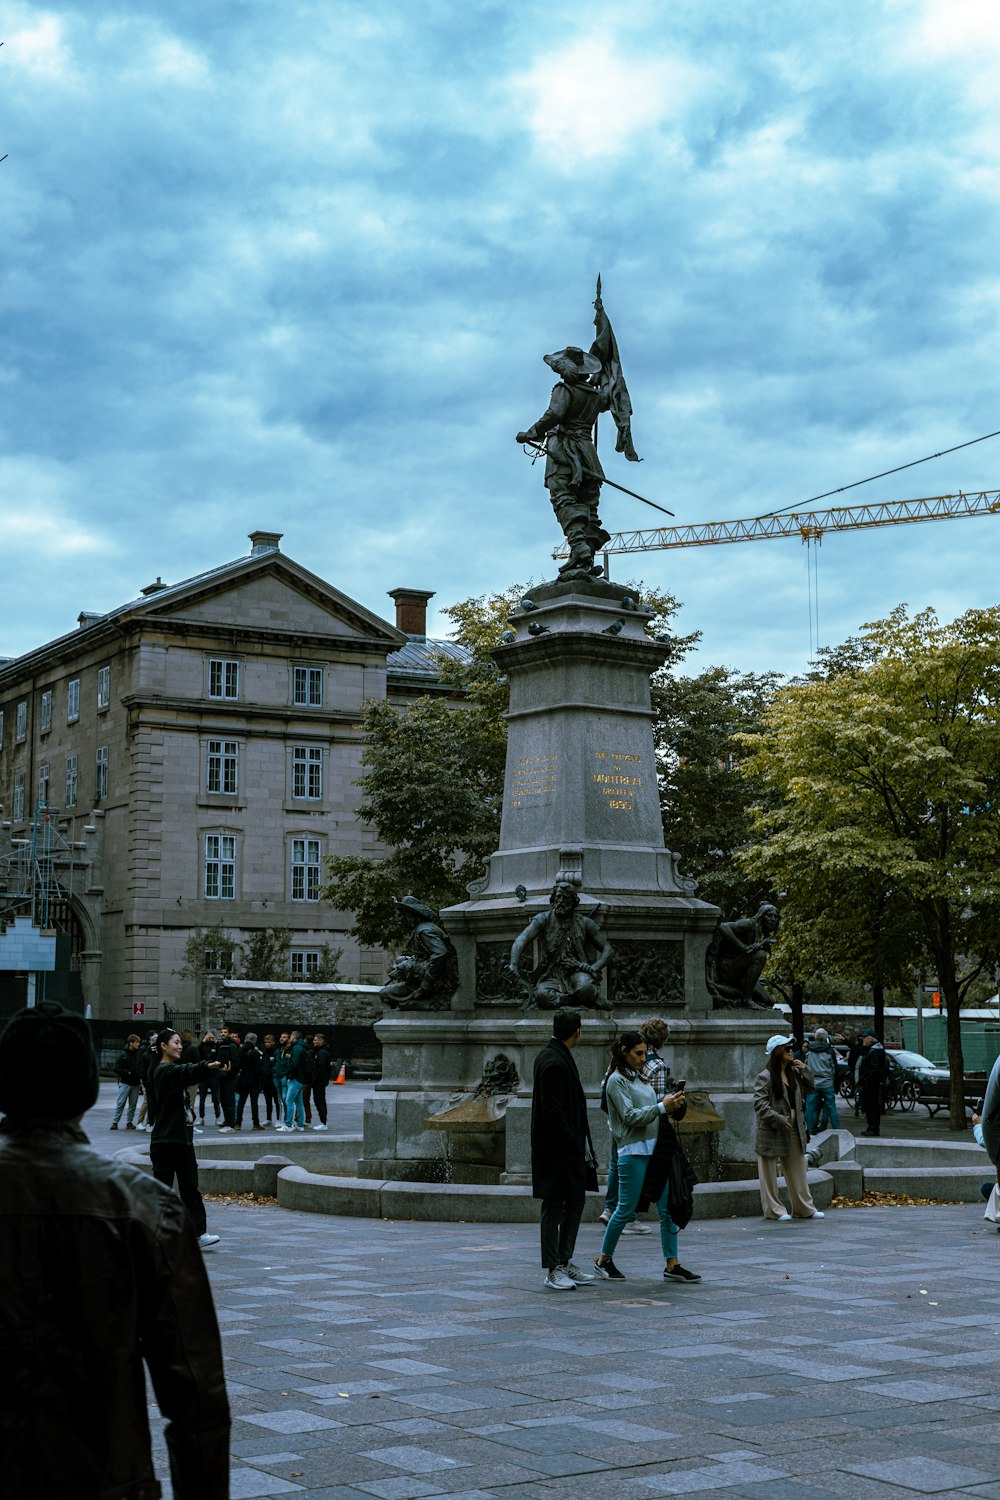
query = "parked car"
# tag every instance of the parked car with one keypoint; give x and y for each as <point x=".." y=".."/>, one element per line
<point x="915" y="1065"/>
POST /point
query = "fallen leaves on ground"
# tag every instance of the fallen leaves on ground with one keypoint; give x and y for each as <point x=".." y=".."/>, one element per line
<point x="893" y="1200"/>
<point x="246" y="1200"/>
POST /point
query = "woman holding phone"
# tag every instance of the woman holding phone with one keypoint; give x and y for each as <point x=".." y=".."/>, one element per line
<point x="634" y="1115"/>
<point x="171" y="1146"/>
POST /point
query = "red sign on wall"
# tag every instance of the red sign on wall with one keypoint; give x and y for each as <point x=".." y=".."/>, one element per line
<point x="138" y="1007"/>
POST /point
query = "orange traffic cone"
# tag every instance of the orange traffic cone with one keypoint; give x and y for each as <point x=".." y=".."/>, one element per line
<point x="342" y="1075"/>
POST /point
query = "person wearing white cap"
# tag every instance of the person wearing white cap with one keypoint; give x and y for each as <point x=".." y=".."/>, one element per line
<point x="778" y="1101"/>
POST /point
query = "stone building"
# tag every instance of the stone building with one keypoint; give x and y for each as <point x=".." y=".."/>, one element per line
<point x="190" y="758"/>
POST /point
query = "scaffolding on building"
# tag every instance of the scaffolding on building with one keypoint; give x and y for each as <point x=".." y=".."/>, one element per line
<point x="37" y="875"/>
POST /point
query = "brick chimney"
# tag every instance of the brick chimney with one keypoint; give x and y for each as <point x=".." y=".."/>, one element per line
<point x="411" y="611"/>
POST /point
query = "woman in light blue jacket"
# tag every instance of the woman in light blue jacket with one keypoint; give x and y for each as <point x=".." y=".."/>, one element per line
<point x="634" y="1114"/>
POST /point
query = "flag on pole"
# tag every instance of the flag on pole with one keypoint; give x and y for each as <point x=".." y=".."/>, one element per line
<point x="605" y="348"/>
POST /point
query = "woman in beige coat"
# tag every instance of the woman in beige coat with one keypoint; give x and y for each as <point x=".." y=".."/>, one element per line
<point x="778" y="1101"/>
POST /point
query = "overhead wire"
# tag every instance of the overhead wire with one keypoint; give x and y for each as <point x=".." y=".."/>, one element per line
<point x="797" y="505"/>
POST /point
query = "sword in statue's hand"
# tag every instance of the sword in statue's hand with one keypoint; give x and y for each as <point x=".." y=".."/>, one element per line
<point x="538" y="450"/>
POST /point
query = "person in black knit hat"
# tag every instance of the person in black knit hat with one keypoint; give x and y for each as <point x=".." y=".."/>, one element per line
<point x="101" y="1270"/>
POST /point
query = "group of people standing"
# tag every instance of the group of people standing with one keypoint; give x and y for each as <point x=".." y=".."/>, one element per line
<point x="290" y="1075"/>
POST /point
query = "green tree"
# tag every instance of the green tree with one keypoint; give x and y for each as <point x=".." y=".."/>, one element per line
<point x="706" y="802"/>
<point x="432" y="795"/>
<point x="433" y="780"/>
<point x="328" y="969"/>
<point x="882" y="785"/>
<point x="264" y="955"/>
<point x="208" y="953"/>
<point x="209" y="956"/>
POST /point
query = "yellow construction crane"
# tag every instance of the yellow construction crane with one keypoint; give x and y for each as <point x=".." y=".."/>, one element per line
<point x="810" y="525"/>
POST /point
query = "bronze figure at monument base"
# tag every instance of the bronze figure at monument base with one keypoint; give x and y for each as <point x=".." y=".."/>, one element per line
<point x="572" y="952"/>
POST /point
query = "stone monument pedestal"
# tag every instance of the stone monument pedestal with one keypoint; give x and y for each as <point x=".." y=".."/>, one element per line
<point x="581" y="804"/>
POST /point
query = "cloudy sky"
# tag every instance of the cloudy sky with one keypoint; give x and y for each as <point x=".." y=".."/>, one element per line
<point x="292" y="264"/>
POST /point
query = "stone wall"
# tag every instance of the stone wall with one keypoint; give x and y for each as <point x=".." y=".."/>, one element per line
<point x="252" y="1002"/>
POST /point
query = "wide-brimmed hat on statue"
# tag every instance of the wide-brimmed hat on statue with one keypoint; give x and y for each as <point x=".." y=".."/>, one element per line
<point x="419" y="909"/>
<point x="583" y="363"/>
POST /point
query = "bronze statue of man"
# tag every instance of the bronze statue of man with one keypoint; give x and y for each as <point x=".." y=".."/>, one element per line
<point x="572" y="952"/>
<point x="428" y="979"/>
<point x="573" y="472"/>
<point x="736" y="958"/>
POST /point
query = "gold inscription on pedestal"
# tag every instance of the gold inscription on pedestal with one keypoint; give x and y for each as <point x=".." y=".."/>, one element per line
<point x="618" y="777"/>
<point x="535" y="776"/>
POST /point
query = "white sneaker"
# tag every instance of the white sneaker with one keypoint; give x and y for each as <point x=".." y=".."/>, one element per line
<point x="205" y="1240"/>
<point x="281" y="1127"/>
<point x="197" y="1130"/>
<point x="320" y="1127"/>
<point x="605" y="1217"/>
<point x="635" y="1227"/>
<point x="783" y="1219"/>
<point x="817" y="1215"/>
<point x="581" y="1278"/>
<point x="225" y="1130"/>
<point x="558" y="1281"/>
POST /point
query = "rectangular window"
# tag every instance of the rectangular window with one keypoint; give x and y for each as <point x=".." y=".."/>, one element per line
<point x="305" y="963"/>
<point x="17" y="811"/>
<point x="45" y="712"/>
<point x="305" y="869"/>
<point x="220" y="866"/>
<point x="307" y="687"/>
<point x="102" y="773"/>
<point x="223" y="766"/>
<point x="72" y="763"/>
<point x="22" y="719"/>
<point x="223" y="678"/>
<point x="307" y="773"/>
<point x="73" y="701"/>
<point x="43" y="783"/>
<point x="103" y="688"/>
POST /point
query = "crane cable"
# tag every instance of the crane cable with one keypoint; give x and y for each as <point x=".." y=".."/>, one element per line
<point x="796" y="505"/>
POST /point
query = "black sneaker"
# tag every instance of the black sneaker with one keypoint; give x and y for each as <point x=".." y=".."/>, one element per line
<point x="680" y="1273"/>
<point x="608" y="1270"/>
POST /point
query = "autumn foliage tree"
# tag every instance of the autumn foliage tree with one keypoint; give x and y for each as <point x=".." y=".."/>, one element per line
<point x="881" y="818"/>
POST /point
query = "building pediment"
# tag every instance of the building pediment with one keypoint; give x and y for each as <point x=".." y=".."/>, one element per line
<point x="269" y="593"/>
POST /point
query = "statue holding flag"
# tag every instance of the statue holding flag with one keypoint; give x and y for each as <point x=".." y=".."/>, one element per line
<point x="567" y="430"/>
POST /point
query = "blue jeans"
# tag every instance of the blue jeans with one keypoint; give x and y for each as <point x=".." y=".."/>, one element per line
<point x="821" y="1094"/>
<point x="127" y="1092"/>
<point x="631" y="1175"/>
<point x="294" y="1109"/>
<point x="611" y="1193"/>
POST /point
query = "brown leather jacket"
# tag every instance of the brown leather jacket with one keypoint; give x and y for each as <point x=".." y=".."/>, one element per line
<point x="100" y="1269"/>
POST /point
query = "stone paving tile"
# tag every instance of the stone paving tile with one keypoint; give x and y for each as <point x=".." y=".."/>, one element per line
<point x="250" y="1484"/>
<point x="929" y="1476"/>
<point x="521" y="1394"/>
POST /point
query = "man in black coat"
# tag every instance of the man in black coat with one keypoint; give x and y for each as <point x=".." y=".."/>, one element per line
<point x="229" y="1056"/>
<point x="322" y="1065"/>
<point x="559" y="1144"/>
<point x="873" y="1070"/>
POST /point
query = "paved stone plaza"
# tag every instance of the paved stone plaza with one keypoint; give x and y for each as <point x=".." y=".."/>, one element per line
<point x="854" y="1357"/>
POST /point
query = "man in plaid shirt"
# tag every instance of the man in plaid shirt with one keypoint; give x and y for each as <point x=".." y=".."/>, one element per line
<point x="657" y="1071"/>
